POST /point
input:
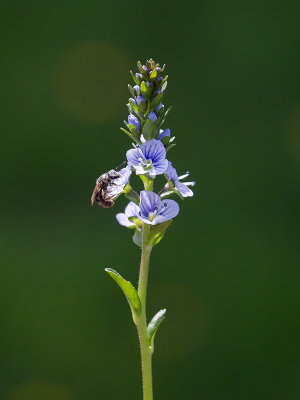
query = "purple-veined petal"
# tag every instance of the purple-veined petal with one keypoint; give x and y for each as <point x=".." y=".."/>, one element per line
<point x="133" y="156"/>
<point x="171" y="172"/>
<point x="159" y="168"/>
<point x="123" y="220"/>
<point x="183" y="189"/>
<point x="167" y="210"/>
<point x="132" y="210"/>
<point x="149" y="202"/>
<point x="154" y="150"/>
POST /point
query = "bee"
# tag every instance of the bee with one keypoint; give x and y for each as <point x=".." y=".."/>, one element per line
<point x="101" y="193"/>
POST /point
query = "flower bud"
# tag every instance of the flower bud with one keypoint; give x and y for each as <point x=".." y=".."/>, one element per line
<point x="164" y="136"/>
<point x="136" y="89"/>
<point x="140" y="99"/>
<point x="139" y="77"/>
<point x="158" y="107"/>
<point x="152" y="116"/>
<point x="133" y="121"/>
<point x="142" y="104"/>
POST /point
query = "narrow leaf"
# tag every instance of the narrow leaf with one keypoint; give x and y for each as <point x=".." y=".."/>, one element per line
<point x="149" y="130"/>
<point x="131" y="91"/>
<point x="154" y="324"/>
<point x="155" y="102"/>
<point x="164" y="86"/>
<point x="128" y="289"/>
<point x="134" y="78"/>
<point x="170" y="146"/>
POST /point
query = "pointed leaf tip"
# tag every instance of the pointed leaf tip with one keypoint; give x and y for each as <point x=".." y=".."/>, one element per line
<point x="154" y="324"/>
<point x="128" y="289"/>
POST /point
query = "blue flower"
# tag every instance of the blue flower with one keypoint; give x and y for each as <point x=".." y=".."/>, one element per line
<point x="164" y="133"/>
<point x="154" y="211"/>
<point x="132" y="210"/>
<point x="149" y="158"/>
<point x="140" y="99"/>
<point x="181" y="187"/>
<point x="134" y="121"/>
<point x="152" y="116"/>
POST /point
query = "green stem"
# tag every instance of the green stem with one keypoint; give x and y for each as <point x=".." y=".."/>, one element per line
<point x="141" y="321"/>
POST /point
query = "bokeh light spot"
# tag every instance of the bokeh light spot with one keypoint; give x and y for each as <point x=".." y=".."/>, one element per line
<point x="39" y="390"/>
<point x="89" y="81"/>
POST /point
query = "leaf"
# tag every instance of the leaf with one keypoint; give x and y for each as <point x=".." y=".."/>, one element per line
<point x="157" y="231"/>
<point x="153" y="75"/>
<point x="170" y="146"/>
<point x="149" y="130"/>
<point x="134" y="107"/>
<point x="129" y="134"/>
<point x="134" y="78"/>
<point x="138" y="238"/>
<point x="154" y="324"/>
<point x="164" y="86"/>
<point x="155" y="102"/>
<point x="132" y="128"/>
<point x="131" y="91"/>
<point x="128" y="289"/>
<point x="146" y="90"/>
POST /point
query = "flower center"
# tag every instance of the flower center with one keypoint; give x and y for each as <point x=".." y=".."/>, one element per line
<point x="153" y="214"/>
<point x="146" y="164"/>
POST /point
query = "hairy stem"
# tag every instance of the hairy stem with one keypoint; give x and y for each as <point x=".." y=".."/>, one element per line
<point x="141" y="322"/>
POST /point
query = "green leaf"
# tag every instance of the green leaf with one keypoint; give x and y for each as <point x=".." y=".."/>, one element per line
<point x="165" y="140"/>
<point x="146" y="90"/>
<point x="134" y="78"/>
<point x="162" y="82"/>
<point x="128" y="289"/>
<point x="149" y="130"/>
<point x="129" y="134"/>
<point x="154" y="324"/>
<point x="153" y="75"/>
<point x="133" y="106"/>
<point x="138" y="238"/>
<point x="170" y="146"/>
<point x="132" y="128"/>
<point x="155" y="102"/>
<point x="131" y="91"/>
<point x="157" y="231"/>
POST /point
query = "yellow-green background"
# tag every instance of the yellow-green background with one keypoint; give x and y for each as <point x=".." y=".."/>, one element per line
<point x="227" y="269"/>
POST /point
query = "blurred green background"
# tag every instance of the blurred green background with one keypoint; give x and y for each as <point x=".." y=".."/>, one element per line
<point x="227" y="269"/>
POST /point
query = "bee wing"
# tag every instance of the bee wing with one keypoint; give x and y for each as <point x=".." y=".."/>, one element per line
<point x="94" y="194"/>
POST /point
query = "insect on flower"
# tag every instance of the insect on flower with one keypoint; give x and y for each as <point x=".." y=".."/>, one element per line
<point x="101" y="191"/>
<point x="109" y="186"/>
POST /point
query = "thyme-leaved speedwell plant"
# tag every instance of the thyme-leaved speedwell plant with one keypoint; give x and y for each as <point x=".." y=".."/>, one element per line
<point x="148" y="214"/>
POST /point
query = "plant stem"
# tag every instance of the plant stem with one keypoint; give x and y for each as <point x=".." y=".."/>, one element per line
<point x="141" y="321"/>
